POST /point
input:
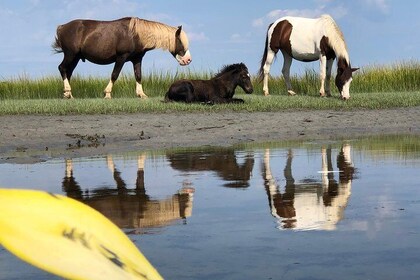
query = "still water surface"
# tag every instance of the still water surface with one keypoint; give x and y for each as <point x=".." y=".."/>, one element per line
<point x="328" y="210"/>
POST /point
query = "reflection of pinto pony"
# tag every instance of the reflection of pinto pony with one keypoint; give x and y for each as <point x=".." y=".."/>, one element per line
<point x="309" y="204"/>
<point x="117" y="41"/>
<point x="308" y="40"/>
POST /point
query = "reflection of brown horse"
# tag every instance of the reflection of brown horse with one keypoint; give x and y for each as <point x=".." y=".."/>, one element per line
<point x="131" y="208"/>
<point x="310" y="204"/>
<point x="224" y="162"/>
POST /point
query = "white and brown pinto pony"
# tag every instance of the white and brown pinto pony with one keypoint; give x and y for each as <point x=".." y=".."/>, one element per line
<point x="117" y="41"/>
<point x="307" y="40"/>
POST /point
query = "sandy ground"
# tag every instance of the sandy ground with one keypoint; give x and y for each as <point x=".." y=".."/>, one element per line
<point x="34" y="138"/>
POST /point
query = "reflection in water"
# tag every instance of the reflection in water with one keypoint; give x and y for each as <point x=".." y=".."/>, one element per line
<point x="131" y="208"/>
<point x="306" y="204"/>
<point x="309" y="204"/>
<point x="291" y="186"/>
<point x="224" y="162"/>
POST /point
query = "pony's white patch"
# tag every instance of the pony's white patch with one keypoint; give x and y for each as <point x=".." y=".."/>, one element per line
<point x="269" y="60"/>
<point x="141" y="159"/>
<point x="306" y="37"/>
<point x="67" y="89"/>
<point x="322" y="74"/>
<point x="329" y="171"/>
<point x="110" y="163"/>
<point x="69" y="168"/>
<point x="108" y="89"/>
<point x="139" y="91"/>
<point x="184" y="60"/>
<point x="345" y="93"/>
<point x="66" y="85"/>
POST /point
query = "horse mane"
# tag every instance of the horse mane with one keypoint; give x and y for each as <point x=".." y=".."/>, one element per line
<point x="229" y="68"/>
<point x="335" y="38"/>
<point x="155" y="34"/>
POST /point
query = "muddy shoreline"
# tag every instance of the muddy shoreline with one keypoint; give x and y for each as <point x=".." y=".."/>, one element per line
<point x="34" y="138"/>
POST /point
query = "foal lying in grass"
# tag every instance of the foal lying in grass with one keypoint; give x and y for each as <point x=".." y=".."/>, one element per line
<point x="219" y="89"/>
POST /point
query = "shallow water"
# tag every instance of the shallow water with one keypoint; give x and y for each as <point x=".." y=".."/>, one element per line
<point x="327" y="210"/>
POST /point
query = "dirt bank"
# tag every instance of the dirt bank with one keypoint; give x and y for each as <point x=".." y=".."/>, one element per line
<point x="33" y="138"/>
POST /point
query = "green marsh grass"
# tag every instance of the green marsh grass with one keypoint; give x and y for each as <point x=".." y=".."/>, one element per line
<point x="374" y="87"/>
<point x="253" y="103"/>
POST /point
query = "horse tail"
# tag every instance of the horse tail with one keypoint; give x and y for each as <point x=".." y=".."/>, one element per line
<point x="57" y="43"/>
<point x="264" y="57"/>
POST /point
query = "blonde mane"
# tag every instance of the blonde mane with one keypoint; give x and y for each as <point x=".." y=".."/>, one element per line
<point x="336" y="38"/>
<point x="156" y="35"/>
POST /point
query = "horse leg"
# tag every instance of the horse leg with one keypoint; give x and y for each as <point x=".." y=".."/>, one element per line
<point x="140" y="188"/>
<point x="266" y="69"/>
<point x="287" y="62"/>
<point x="322" y="73"/>
<point x="235" y="100"/>
<point x="137" y="73"/>
<point x="66" y="69"/>
<point x="328" y="77"/>
<point x="119" y="63"/>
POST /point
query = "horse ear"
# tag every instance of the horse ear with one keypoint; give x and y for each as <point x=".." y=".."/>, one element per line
<point x="354" y="69"/>
<point x="178" y="31"/>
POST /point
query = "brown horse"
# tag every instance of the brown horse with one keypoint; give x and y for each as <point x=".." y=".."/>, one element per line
<point x="117" y="41"/>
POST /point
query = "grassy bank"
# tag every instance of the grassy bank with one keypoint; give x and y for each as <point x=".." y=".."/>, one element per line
<point x="253" y="103"/>
<point x="397" y="85"/>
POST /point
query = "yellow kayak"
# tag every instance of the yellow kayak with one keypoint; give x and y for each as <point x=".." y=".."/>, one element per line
<point x="68" y="238"/>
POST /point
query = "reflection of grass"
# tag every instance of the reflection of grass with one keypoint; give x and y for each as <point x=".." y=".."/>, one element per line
<point x="372" y="88"/>
<point x="395" y="146"/>
<point x="378" y="147"/>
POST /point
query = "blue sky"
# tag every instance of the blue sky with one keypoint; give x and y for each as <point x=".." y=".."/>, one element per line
<point x="220" y="31"/>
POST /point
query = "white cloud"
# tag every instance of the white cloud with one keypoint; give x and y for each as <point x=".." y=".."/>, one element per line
<point x="197" y="37"/>
<point x="100" y="9"/>
<point x="324" y="7"/>
<point x="236" y="38"/>
<point x="276" y="14"/>
<point x="258" y="22"/>
<point x="380" y="5"/>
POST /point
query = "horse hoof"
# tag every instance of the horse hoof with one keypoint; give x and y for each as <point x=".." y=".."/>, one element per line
<point x="67" y="95"/>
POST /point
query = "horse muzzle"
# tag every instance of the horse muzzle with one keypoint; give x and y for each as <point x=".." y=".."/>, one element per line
<point x="249" y="90"/>
<point x="344" y="96"/>
<point x="184" y="60"/>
